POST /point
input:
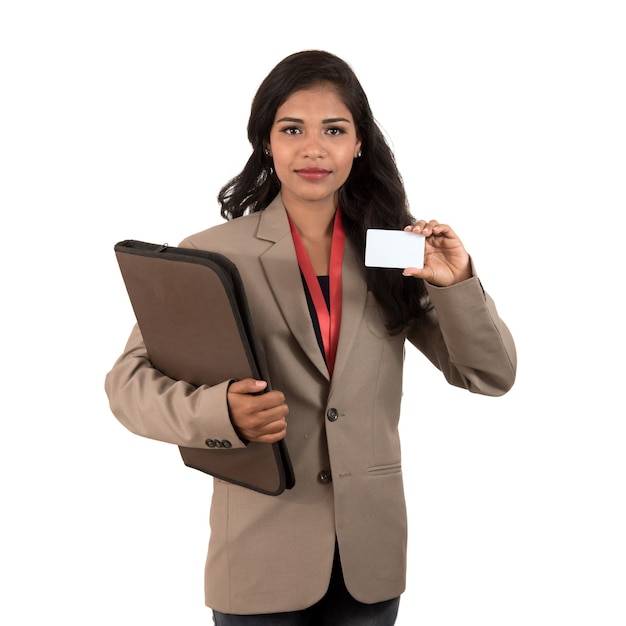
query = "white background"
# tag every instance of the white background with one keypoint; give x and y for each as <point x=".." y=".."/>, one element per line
<point x="122" y="119"/>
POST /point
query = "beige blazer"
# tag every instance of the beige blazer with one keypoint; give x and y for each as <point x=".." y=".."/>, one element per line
<point x="274" y="554"/>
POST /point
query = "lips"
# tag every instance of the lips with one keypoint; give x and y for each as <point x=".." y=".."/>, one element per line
<point x="313" y="173"/>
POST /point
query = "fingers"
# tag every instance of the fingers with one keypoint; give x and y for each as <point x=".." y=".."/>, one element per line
<point x="446" y="262"/>
<point x="257" y="417"/>
<point x="432" y="227"/>
<point x="427" y="229"/>
<point x="247" y="385"/>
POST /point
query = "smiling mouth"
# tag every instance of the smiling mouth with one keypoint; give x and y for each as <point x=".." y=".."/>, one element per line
<point x="313" y="173"/>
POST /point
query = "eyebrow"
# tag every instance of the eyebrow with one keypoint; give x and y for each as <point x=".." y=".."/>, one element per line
<point x="330" y="120"/>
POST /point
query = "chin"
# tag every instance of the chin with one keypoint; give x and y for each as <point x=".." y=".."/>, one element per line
<point x="312" y="196"/>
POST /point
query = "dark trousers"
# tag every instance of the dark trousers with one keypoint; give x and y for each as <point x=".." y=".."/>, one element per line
<point x="336" y="608"/>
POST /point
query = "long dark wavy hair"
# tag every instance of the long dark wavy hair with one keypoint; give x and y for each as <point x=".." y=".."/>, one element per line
<point x="373" y="196"/>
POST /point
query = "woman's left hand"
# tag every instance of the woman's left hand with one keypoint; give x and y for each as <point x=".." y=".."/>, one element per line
<point x="446" y="261"/>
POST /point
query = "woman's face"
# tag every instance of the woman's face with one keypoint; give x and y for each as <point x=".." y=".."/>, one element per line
<point x="313" y="143"/>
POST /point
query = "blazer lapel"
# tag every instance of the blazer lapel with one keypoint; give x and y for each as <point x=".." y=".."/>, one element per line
<point x="354" y="295"/>
<point x="281" y="268"/>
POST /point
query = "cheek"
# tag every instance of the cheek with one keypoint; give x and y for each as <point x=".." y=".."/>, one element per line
<point x="281" y="169"/>
<point x="279" y="160"/>
<point x="347" y="161"/>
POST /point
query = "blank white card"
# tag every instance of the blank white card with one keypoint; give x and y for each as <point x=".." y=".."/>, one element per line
<point x="394" y="248"/>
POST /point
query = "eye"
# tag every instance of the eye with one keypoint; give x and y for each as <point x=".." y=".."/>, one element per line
<point x="290" y="130"/>
<point x="335" y="130"/>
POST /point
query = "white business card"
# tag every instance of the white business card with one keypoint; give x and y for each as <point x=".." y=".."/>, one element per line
<point x="394" y="248"/>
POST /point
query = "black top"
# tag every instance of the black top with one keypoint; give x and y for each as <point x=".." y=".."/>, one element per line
<point x="325" y="285"/>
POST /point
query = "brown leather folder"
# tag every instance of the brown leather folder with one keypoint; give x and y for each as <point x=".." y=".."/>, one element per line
<point x="193" y="314"/>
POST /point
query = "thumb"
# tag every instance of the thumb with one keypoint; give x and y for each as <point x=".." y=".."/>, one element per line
<point x="247" y="385"/>
<point x="415" y="272"/>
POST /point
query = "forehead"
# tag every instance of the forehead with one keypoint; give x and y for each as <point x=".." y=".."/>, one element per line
<point x="322" y="101"/>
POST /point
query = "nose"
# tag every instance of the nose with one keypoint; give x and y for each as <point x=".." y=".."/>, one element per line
<point x="314" y="148"/>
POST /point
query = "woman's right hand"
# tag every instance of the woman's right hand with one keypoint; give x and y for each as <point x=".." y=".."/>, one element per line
<point x="257" y="416"/>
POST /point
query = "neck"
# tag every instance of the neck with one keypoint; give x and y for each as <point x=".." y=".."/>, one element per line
<point x="315" y="228"/>
<point x="313" y="224"/>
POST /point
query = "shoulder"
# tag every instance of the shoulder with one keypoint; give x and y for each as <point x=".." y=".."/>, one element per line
<point x="256" y="229"/>
<point x="224" y="234"/>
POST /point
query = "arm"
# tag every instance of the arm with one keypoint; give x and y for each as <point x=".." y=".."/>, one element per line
<point x="465" y="338"/>
<point x="153" y="405"/>
<point x="463" y="334"/>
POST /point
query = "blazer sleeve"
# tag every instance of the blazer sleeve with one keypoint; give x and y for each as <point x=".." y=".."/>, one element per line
<point x="465" y="338"/>
<point x="153" y="405"/>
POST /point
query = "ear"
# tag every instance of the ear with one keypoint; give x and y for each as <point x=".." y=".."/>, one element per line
<point x="357" y="149"/>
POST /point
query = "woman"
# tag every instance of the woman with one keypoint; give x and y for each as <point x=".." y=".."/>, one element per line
<point x="332" y="550"/>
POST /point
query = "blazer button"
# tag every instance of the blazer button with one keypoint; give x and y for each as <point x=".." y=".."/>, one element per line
<point x="332" y="415"/>
<point x="226" y="444"/>
<point x="325" y="476"/>
<point x="210" y="443"/>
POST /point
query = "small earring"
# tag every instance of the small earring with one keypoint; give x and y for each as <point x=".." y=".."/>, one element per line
<point x="267" y="152"/>
<point x="358" y="154"/>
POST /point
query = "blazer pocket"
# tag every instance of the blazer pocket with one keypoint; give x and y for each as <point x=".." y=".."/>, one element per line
<point x="383" y="470"/>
